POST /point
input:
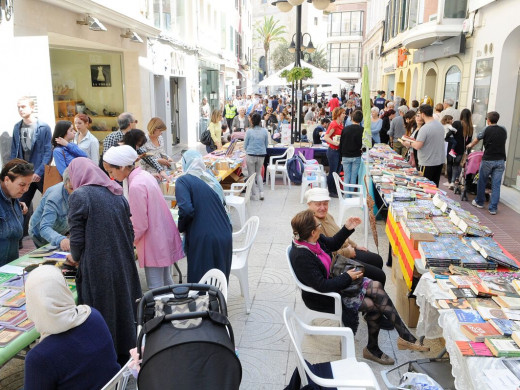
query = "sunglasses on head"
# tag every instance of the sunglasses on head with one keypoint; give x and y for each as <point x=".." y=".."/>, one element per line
<point x="22" y="168"/>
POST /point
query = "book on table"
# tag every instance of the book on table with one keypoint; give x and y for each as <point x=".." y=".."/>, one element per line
<point x="483" y="302"/>
<point x="500" y="283"/>
<point x="512" y="314"/>
<point x="502" y="347"/>
<point x="498" y="257"/>
<point x="459" y="303"/>
<point x="457" y="270"/>
<point x="11" y="317"/>
<point x="507" y="302"/>
<point x="516" y="285"/>
<point x="515" y="335"/>
<point x="481" y="290"/>
<point x="472" y="348"/>
<point x="461" y="281"/>
<point x="15" y="298"/>
<point x="440" y="272"/>
<point x="461" y="293"/>
<point x="57" y="256"/>
<point x="487" y="313"/>
<point x="44" y="252"/>
<point x="504" y="326"/>
<point x="8" y="335"/>
<point x="469" y="316"/>
<point x="479" y="331"/>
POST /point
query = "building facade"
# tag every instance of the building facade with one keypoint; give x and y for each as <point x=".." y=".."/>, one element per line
<point x="345" y="34"/>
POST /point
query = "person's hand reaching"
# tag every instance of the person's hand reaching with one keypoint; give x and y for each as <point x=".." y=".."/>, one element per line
<point x="352" y="223"/>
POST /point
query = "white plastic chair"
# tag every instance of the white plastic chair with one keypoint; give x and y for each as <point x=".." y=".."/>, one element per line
<point x="239" y="262"/>
<point x="216" y="277"/>
<point x="233" y="198"/>
<point x="347" y="373"/>
<point x="356" y="200"/>
<point x="279" y="166"/>
<point x="312" y="178"/>
<point x="310" y="314"/>
<point x="120" y="380"/>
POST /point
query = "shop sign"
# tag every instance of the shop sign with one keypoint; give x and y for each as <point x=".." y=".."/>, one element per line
<point x="100" y="75"/>
<point x="177" y="64"/>
<point x="401" y="57"/>
<point x="449" y="47"/>
<point x="389" y="69"/>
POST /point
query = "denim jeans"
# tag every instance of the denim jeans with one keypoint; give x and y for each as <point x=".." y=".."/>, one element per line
<point x="350" y="169"/>
<point x="495" y="169"/>
<point x="334" y="157"/>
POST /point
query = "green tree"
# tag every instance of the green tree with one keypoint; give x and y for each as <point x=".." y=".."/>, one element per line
<point x="282" y="57"/>
<point x="268" y="33"/>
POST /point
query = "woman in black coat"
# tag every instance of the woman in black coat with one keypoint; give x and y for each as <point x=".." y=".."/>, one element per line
<point x="311" y="262"/>
<point x="387" y="118"/>
<point x="463" y="136"/>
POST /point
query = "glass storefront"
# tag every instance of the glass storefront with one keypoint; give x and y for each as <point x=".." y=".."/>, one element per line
<point x="89" y="82"/>
<point x="452" y="85"/>
<point x="481" y="88"/>
<point x="208" y="81"/>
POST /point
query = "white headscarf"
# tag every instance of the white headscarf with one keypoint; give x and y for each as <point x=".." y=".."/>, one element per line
<point x="50" y="304"/>
<point x="192" y="164"/>
<point x="121" y="156"/>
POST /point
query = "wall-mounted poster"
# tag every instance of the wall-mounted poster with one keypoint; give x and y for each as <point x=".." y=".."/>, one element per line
<point x="100" y="75"/>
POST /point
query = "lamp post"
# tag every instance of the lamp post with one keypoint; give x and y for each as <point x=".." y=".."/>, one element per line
<point x="298" y="47"/>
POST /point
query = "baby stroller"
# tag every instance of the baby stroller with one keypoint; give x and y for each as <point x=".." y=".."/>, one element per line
<point x="469" y="176"/>
<point x="189" y="340"/>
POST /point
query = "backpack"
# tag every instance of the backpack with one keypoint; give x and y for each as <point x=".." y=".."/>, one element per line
<point x="205" y="138"/>
<point x="295" y="169"/>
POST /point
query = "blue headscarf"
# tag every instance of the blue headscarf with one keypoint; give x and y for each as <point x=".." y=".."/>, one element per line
<point x="192" y="164"/>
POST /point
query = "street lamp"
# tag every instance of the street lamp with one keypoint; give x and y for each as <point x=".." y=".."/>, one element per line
<point x="298" y="48"/>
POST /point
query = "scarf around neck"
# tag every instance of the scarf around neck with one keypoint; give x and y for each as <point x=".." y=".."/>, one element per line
<point x="316" y="249"/>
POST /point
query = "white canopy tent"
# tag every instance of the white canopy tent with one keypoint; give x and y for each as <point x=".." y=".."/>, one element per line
<point x="319" y="77"/>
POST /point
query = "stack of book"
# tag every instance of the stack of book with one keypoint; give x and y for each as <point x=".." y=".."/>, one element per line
<point x="445" y="227"/>
<point x="471" y="228"/>
<point x="435" y="254"/>
<point x="495" y="254"/>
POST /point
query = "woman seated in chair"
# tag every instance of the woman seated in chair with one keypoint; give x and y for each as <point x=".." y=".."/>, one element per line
<point x="311" y="261"/>
<point x="76" y="350"/>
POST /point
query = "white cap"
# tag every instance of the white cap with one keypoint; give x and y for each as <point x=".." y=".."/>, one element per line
<point x="317" y="195"/>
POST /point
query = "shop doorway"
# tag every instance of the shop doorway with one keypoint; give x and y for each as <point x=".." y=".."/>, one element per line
<point x="390" y="85"/>
<point x="430" y="83"/>
<point x="399" y="89"/>
<point x="512" y="177"/>
<point x="174" y="107"/>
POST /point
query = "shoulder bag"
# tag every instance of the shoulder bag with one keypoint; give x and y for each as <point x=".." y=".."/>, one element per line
<point x="52" y="175"/>
<point x="344" y="264"/>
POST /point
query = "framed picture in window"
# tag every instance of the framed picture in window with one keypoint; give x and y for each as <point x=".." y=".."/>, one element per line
<point x="101" y="75"/>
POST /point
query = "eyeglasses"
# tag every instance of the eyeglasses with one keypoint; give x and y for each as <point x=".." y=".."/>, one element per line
<point x="22" y="168"/>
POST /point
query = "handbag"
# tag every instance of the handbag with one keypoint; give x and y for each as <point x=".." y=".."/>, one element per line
<point x="51" y="175"/>
<point x="344" y="264"/>
<point x="205" y="138"/>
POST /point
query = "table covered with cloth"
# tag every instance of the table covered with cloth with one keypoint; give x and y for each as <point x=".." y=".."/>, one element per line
<point x="434" y="323"/>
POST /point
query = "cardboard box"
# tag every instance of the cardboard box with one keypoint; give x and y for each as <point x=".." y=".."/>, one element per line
<point x="407" y="307"/>
<point x="222" y="165"/>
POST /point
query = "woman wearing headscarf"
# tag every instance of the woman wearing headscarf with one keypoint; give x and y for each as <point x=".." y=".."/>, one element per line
<point x="101" y="241"/>
<point x="156" y="236"/>
<point x="202" y="216"/>
<point x="75" y="348"/>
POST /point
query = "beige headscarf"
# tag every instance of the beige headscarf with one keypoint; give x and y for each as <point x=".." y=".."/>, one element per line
<point x="50" y="304"/>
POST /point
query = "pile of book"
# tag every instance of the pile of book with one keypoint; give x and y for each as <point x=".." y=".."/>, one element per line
<point x="487" y="306"/>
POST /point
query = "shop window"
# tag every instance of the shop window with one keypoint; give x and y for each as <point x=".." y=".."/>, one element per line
<point x="386" y="34"/>
<point x="404" y="15"/>
<point x="346" y="23"/>
<point x="170" y="16"/>
<point x="412" y="13"/>
<point x="344" y="57"/>
<point x="89" y="82"/>
<point x="452" y="84"/>
<point x="481" y="86"/>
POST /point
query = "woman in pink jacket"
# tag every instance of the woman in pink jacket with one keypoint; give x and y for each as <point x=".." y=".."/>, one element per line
<point x="156" y="236"/>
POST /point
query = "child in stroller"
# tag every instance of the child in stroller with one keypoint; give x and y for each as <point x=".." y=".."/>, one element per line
<point x="469" y="176"/>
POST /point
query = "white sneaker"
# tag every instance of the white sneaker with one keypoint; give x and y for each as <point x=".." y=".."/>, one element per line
<point x="261" y="196"/>
<point x="476" y="204"/>
<point x="447" y="184"/>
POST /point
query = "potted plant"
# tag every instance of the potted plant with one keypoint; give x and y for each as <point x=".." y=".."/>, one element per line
<point x="296" y="74"/>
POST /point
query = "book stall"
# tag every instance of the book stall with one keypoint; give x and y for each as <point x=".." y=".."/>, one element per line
<point x="466" y="287"/>
<point x="225" y="165"/>
<point x="17" y="332"/>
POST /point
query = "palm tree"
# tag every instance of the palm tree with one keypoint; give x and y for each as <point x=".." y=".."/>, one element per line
<point x="268" y="33"/>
